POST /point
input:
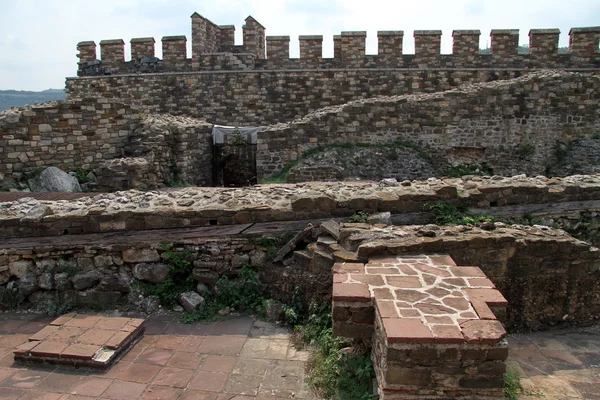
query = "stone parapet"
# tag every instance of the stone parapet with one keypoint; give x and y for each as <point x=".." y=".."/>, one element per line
<point x="278" y="47"/>
<point x="505" y="43"/>
<point x="543" y="42"/>
<point x="465" y="43"/>
<point x="353" y="45"/>
<point x="390" y="43"/>
<point x="87" y="51"/>
<point x="311" y="46"/>
<point x="584" y="40"/>
<point x="142" y="48"/>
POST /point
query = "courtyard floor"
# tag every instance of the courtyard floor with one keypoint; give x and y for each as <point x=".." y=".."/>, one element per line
<point x="244" y="359"/>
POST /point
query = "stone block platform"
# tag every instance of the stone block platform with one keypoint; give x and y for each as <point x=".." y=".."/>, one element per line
<point x="82" y="341"/>
<point x="434" y="325"/>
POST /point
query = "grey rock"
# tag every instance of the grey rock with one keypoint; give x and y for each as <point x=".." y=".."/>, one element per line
<point x="488" y="226"/>
<point x="46" y="281"/>
<point x="177" y="308"/>
<point x="115" y="283"/>
<point x="274" y="310"/>
<point x="103" y="261"/>
<point x="150" y="304"/>
<point x="154" y="273"/>
<point x="213" y="250"/>
<point x="380" y="218"/>
<point x="258" y="258"/>
<point x="191" y="301"/>
<point x="202" y="289"/>
<point x="62" y="282"/>
<point x="239" y="260"/>
<point x="53" y="179"/>
<point x="4" y="275"/>
<point x="20" y="268"/>
<point x="28" y="284"/>
<point x="36" y="213"/>
<point x="223" y="312"/>
<point x="206" y="276"/>
<point x="389" y="182"/>
<point x="141" y="256"/>
<point x="85" y="281"/>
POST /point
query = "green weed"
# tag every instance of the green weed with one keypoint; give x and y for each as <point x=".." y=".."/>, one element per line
<point x="10" y="299"/>
<point x="447" y="213"/>
<point x="359" y="217"/>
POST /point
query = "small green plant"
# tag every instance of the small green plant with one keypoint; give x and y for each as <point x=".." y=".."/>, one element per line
<point x="457" y="171"/>
<point x="359" y="217"/>
<point x="71" y="271"/>
<point x="10" y="299"/>
<point x="525" y="149"/>
<point x="56" y="306"/>
<point x="272" y="244"/>
<point x="513" y="388"/>
<point x="294" y="311"/>
<point x="243" y="294"/>
<point x="347" y="147"/>
<point x="82" y="175"/>
<point x="447" y="213"/>
<point x="332" y="374"/>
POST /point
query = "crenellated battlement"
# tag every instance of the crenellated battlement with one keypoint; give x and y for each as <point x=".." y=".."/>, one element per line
<point x="213" y="48"/>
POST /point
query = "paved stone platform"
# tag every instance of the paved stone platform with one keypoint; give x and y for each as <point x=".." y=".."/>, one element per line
<point x="82" y="341"/>
<point x="432" y="324"/>
<point x="234" y="359"/>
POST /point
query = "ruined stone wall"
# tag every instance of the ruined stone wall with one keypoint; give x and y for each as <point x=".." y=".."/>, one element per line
<point x="124" y="147"/>
<point x="512" y="125"/>
<point x="548" y="277"/>
<point x="65" y="134"/>
<point x="193" y="207"/>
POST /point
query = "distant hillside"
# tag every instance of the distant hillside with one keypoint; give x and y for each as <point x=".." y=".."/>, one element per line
<point x="18" y="98"/>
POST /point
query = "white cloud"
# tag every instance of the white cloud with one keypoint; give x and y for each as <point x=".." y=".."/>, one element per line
<point x="38" y="37"/>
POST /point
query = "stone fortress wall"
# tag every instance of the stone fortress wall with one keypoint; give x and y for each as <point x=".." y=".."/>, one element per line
<point x="264" y="85"/>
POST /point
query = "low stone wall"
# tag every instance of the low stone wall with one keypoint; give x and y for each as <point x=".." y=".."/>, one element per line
<point x="190" y="207"/>
<point x="548" y="277"/>
<point x="105" y="274"/>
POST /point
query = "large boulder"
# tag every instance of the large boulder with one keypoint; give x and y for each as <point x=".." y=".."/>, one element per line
<point x="53" y="179"/>
<point x="155" y="273"/>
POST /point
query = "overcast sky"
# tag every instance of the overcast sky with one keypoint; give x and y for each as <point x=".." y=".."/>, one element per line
<point x="38" y="37"/>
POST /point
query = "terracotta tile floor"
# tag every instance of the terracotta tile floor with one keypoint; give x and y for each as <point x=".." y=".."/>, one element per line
<point x="235" y="359"/>
<point x="242" y="359"/>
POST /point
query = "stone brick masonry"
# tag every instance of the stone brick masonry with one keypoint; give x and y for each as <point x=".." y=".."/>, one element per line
<point x="433" y="325"/>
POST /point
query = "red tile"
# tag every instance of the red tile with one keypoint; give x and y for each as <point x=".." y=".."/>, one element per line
<point x="175" y="377"/>
<point x="90" y="386"/>
<point x="11" y="325"/>
<point x="140" y="373"/>
<point x="375" y="280"/>
<point x="168" y="342"/>
<point x="491" y="296"/>
<point x="386" y="309"/>
<point x="435" y="271"/>
<point x="443" y="260"/>
<point x="117" y="339"/>
<point x="121" y="390"/>
<point x="482" y="309"/>
<point x="404" y="282"/>
<point x="345" y="268"/>
<point x="407" y="330"/>
<point x="25" y="347"/>
<point x="44" y="333"/>
<point x="340" y="278"/>
<point x="96" y="336"/>
<point x="161" y="393"/>
<point x="185" y="360"/>
<point x="62" y="319"/>
<point x="481" y="282"/>
<point x="409" y="313"/>
<point x="471" y="272"/>
<point x="23" y="379"/>
<point x="439" y="320"/>
<point x="83" y="321"/>
<point x="191" y="394"/>
<point x="485" y="332"/>
<point x="66" y="334"/>
<point x="80" y="351"/>
<point x="155" y="356"/>
<point x="47" y="348"/>
<point x="434" y="309"/>
<point x="458" y="303"/>
<point x="351" y="292"/>
<point x="219" y="363"/>
<point x="111" y="323"/>
<point x="208" y="381"/>
<point x="383" y="294"/>
<point x="190" y="344"/>
<point x="447" y="334"/>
